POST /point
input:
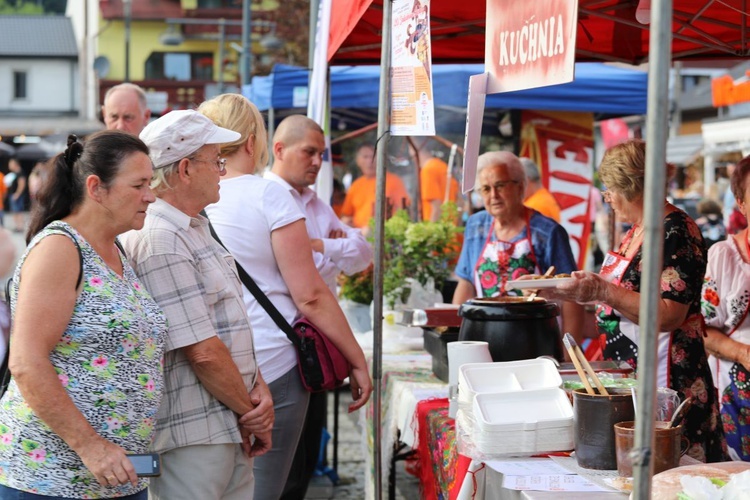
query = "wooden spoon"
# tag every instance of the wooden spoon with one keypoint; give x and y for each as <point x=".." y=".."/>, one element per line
<point x="549" y="272"/>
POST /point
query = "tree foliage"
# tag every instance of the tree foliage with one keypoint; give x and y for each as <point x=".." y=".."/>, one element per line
<point x="32" y="7"/>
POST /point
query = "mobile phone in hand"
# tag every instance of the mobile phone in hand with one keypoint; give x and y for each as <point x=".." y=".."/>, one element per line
<point x="146" y="465"/>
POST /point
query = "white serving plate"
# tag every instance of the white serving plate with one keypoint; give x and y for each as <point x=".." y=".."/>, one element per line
<point x="506" y="376"/>
<point x="536" y="284"/>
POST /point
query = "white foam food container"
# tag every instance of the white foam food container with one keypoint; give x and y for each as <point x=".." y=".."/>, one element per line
<point x="506" y="376"/>
<point x="522" y="411"/>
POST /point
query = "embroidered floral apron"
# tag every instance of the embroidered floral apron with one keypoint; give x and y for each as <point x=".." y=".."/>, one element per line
<point x="686" y="372"/>
<point x="501" y="261"/>
<point x="618" y="335"/>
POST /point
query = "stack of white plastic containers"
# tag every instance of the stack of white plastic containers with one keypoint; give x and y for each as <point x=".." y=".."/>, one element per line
<point x="514" y="408"/>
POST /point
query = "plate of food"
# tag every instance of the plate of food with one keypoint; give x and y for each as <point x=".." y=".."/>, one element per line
<point x="537" y="282"/>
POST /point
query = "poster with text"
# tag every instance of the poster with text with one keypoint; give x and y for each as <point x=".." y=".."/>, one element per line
<point x="412" y="107"/>
<point x="530" y="44"/>
<point x="562" y="145"/>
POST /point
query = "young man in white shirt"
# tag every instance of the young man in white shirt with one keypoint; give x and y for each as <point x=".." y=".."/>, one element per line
<point x="298" y="148"/>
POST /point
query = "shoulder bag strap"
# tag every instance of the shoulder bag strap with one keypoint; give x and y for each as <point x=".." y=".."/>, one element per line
<point x="261" y="297"/>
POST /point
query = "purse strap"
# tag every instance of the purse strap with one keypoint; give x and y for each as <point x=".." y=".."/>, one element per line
<point x="261" y="297"/>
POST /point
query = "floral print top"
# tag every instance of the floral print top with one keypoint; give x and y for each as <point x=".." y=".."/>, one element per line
<point x="681" y="356"/>
<point x="725" y="302"/>
<point x="109" y="360"/>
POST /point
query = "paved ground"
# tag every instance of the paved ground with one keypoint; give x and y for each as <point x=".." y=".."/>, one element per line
<point x="351" y="462"/>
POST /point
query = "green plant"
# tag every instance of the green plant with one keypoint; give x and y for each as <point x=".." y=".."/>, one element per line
<point x="357" y="287"/>
<point x="418" y="250"/>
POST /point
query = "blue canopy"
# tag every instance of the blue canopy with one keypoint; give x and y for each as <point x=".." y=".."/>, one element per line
<point x="597" y="88"/>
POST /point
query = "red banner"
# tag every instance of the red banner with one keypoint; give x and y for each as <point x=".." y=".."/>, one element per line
<point x="562" y="144"/>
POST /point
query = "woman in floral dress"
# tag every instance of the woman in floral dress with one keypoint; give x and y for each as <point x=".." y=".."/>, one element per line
<point x="509" y="240"/>
<point x="725" y="302"/>
<point x="681" y="356"/>
<point x="87" y="339"/>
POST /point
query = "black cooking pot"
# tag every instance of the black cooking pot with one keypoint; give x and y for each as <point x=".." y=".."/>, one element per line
<point x="514" y="328"/>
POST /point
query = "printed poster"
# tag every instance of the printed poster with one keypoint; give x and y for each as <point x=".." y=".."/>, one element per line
<point x="530" y="44"/>
<point x="562" y="144"/>
<point x="412" y="106"/>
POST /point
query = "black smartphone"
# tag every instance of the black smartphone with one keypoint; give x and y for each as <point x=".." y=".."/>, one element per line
<point x="146" y="465"/>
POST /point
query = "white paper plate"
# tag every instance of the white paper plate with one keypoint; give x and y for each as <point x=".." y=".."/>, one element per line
<point x="536" y="284"/>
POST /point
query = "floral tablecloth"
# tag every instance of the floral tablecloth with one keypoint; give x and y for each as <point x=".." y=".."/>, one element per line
<point x="403" y="375"/>
<point x="442" y="469"/>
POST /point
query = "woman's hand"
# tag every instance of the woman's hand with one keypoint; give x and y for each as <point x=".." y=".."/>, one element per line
<point x="359" y="380"/>
<point x="108" y="463"/>
<point x="586" y="287"/>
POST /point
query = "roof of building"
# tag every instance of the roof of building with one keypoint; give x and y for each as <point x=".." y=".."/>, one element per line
<point x="37" y="36"/>
<point x="683" y="149"/>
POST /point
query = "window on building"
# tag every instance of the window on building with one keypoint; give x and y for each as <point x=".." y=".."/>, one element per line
<point x="20" y="90"/>
<point x="180" y="66"/>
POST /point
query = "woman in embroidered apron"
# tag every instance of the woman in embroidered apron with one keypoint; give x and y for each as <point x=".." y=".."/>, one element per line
<point x="509" y="240"/>
<point x="681" y="356"/>
<point x="725" y="301"/>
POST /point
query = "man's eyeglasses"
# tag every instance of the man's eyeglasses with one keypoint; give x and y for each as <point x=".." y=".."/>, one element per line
<point x="221" y="163"/>
<point x="499" y="186"/>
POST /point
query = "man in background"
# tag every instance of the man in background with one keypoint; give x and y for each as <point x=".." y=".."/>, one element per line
<point x="298" y="147"/>
<point x="217" y="412"/>
<point x="125" y="108"/>
<point x="433" y="182"/>
<point x="537" y="196"/>
<point x="359" y="204"/>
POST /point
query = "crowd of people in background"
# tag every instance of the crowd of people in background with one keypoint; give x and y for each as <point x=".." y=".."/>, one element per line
<point x="148" y="340"/>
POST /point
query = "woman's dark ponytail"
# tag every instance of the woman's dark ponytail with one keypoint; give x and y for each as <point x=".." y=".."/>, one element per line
<point x="64" y="189"/>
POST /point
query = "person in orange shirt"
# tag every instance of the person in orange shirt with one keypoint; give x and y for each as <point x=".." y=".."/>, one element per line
<point x="433" y="179"/>
<point x="537" y="196"/>
<point x="359" y="204"/>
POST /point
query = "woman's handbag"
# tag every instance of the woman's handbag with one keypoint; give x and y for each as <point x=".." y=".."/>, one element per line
<point x="321" y="365"/>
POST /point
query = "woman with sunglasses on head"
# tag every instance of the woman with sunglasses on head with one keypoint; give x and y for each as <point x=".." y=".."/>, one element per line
<point x="509" y="240"/>
<point x="617" y="289"/>
<point x="87" y="339"/>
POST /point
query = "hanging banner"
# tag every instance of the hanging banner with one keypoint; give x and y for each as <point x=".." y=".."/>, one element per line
<point x="562" y="144"/>
<point x="412" y="107"/>
<point x="530" y="44"/>
<point x="318" y="99"/>
<point x="473" y="135"/>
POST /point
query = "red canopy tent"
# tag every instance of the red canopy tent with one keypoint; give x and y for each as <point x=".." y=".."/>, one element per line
<point x="607" y="31"/>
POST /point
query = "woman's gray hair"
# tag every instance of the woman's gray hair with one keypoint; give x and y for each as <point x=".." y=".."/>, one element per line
<point x="511" y="162"/>
<point x="159" y="181"/>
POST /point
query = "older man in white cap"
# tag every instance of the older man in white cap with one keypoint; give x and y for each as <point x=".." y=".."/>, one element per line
<point x="217" y="412"/>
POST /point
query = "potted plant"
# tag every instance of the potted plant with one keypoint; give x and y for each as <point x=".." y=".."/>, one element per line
<point x="415" y="252"/>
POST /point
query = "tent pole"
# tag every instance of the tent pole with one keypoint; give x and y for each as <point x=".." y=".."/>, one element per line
<point x="660" y="43"/>
<point x="271" y="131"/>
<point x="384" y="126"/>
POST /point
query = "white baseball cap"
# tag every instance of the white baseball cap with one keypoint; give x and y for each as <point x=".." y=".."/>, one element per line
<point x="178" y="134"/>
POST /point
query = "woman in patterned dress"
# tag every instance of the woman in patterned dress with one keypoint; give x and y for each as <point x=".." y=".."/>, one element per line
<point x="87" y="339"/>
<point x="725" y="301"/>
<point x="681" y="356"/>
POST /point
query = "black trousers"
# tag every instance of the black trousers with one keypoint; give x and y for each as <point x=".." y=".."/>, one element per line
<point x="308" y="449"/>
